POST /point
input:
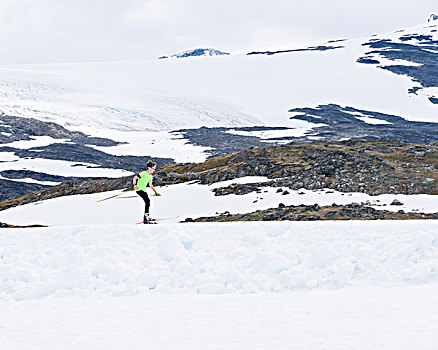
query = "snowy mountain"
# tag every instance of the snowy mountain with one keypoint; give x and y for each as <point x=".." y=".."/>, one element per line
<point x="234" y="90"/>
<point x="197" y="52"/>
<point x="432" y="17"/>
<point x="368" y="88"/>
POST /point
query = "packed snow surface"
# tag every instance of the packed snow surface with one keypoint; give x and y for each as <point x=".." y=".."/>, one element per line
<point x="343" y="319"/>
<point x="61" y="167"/>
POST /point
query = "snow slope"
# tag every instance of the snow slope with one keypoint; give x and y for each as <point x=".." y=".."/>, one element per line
<point x="229" y="90"/>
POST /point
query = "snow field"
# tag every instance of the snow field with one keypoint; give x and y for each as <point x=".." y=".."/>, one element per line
<point x="217" y="258"/>
<point x="35" y="141"/>
<point x="61" y="167"/>
<point x="154" y="144"/>
<point x="236" y="90"/>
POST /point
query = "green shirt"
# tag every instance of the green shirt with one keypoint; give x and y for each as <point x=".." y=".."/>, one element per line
<point x="144" y="180"/>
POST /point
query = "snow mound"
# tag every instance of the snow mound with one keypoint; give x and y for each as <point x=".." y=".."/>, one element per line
<point x="215" y="258"/>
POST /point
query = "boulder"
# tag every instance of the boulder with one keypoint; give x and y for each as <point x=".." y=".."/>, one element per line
<point x="396" y="202"/>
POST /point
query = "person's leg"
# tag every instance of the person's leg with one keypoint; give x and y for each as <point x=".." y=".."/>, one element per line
<point x="147" y="203"/>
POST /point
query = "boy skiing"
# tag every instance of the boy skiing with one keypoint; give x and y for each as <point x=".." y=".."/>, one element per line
<point x="141" y="181"/>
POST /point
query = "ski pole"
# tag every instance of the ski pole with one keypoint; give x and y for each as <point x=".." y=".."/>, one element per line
<point x="104" y="199"/>
<point x="152" y="195"/>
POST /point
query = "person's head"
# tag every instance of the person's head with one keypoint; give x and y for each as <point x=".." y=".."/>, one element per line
<point x="151" y="166"/>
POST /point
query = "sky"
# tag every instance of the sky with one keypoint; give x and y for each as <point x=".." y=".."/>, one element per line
<point x="40" y="31"/>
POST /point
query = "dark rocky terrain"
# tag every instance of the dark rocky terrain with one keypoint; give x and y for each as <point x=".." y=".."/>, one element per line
<point x="372" y="167"/>
<point x="415" y="48"/>
<point x="4" y="225"/>
<point x="343" y="123"/>
<point x="354" y="211"/>
<point x="11" y="189"/>
<point x="197" y="52"/>
<point x="26" y="174"/>
<point x="78" y="149"/>
<point x="334" y="123"/>
<point x="84" y="154"/>
<point x="69" y="188"/>
<point x="310" y="48"/>
<point x="14" y="128"/>
<point x="221" y="142"/>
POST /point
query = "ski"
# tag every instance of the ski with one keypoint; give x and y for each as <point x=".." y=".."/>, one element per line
<point x="149" y="223"/>
<point x="160" y="219"/>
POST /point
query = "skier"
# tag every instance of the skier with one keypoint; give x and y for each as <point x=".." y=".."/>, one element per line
<point x="141" y="181"/>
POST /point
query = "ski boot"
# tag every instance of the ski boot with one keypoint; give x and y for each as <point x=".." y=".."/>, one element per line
<point x="148" y="220"/>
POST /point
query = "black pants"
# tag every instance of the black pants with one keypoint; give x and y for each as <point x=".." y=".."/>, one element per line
<point x="147" y="201"/>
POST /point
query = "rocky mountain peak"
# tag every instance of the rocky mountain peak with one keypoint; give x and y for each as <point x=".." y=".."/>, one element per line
<point x="197" y="52"/>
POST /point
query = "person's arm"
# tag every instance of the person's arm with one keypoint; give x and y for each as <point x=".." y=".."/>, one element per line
<point x="134" y="182"/>
<point x="153" y="189"/>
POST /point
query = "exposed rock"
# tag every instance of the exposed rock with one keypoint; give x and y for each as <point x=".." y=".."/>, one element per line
<point x="4" y="225"/>
<point x="333" y="123"/>
<point x="77" y="150"/>
<point x="428" y="181"/>
<point x="15" y="128"/>
<point x="343" y="122"/>
<point x="310" y="48"/>
<point x="419" y="50"/>
<point x="308" y="213"/>
<point x="372" y="167"/>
